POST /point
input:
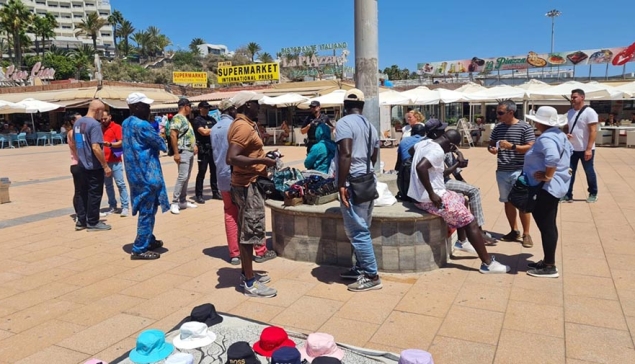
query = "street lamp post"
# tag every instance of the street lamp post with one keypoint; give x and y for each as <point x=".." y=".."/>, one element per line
<point x="553" y="14"/>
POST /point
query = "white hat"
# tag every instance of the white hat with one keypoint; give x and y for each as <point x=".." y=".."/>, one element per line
<point x="244" y="97"/>
<point x="354" y="94"/>
<point x="194" y="335"/>
<point x="137" y="97"/>
<point x="180" y="358"/>
<point x="548" y="115"/>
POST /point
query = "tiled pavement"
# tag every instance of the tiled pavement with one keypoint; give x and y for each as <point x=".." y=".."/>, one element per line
<point x="66" y="296"/>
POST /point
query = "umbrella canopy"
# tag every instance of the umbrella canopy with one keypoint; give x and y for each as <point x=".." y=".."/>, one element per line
<point x="424" y="96"/>
<point x="286" y="100"/>
<point x="593" y="91"/>
<point x="470" y="87"/>
<point x="33" y="106"/>
<point x="497" y="93"/>
<point x="7" y="107"/>
<point x="628" y="88"/>
<point x="391" y="97"/>
<point x="333" y="99"/>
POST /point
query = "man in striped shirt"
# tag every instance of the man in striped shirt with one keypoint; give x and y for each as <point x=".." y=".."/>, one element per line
<point x="510" y="140"/>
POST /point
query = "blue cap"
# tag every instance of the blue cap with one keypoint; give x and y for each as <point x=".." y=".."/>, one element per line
<point x="286" y="355"/>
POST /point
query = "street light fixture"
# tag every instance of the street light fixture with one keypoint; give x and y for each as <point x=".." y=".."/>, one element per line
<point x="553" y="14"/>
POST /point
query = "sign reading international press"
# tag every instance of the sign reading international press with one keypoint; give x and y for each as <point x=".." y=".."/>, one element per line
<point x="197" y="79"/>
<point x="248" y="73"/>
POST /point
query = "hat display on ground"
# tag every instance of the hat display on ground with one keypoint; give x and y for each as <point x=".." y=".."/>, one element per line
<point x="206" y="313"/>
<point x="180" y="358"/>
<point x="96" y="361"/>
<point x="272" y="338"/>
<point x="320" y="344"/>
<point x="286" y="355"/>
<point x="241" y="353"/>
<point x="326" y="360"/>
<point x="415" y="356"/>
<point x="194" y="335"/>
<point x="151" y="347"/>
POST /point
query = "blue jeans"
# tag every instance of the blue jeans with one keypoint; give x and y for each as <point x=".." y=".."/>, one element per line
<point x="117" y="176"/>
<point x="357" y="220"/>
<point x="591" y="178"/>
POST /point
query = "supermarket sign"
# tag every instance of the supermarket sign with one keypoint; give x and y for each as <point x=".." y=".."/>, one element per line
<point x="248" y="73"/>
<point x="196" y="78"/>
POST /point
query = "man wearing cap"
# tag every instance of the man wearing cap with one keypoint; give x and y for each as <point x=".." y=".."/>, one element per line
<point x="311" y="122"/>
<point x="89" y="140"/>
<point x="112" y="152"/>
<point x="141" y="147"/>
<point x="223" y="176"/>
<point x="352" y="135"/>
<point x="184" y="146"/>
<point x="203" y="125"/>
<point x="247" y="159"/>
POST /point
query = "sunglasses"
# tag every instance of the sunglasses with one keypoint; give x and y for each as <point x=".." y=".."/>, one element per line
<point x="501" y="113"/>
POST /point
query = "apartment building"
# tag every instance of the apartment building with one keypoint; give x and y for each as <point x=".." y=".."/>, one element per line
<point x="70" y="12"/>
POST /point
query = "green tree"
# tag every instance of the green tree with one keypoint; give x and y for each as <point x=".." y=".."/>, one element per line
<point x="115" y="19"/>
<point x="43" y="27"/>
<point x="265" y="57"/>
<point x="82" y="58"/>
<point x="194" y="45"/>
<point x="162" y="42"/>
<point x="15" y="18"/>
<point x="91" y="26"/>
<point x="253" y="48"/>
<point x="142" y="38"/>
<point x="124" y="31"/>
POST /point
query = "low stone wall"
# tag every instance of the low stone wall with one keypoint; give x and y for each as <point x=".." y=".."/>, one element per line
<point x="405" y="239"/>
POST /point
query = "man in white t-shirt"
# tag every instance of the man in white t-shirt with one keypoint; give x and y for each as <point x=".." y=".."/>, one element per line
<point x="581" y="131"/>
<point x="427" y="186"/>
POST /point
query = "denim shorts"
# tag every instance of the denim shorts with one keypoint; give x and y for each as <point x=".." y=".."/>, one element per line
<point x="505" y="182"/>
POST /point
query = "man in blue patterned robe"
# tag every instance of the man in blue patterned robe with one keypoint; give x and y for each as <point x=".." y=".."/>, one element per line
<point x="141" y="147"/>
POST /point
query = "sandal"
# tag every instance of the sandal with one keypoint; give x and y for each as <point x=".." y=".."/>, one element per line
<point x="148" y="255"/>
<point x="156" y="245"/>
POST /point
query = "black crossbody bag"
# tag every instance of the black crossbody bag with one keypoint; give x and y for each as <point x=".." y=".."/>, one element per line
<point x="364" y="187"/>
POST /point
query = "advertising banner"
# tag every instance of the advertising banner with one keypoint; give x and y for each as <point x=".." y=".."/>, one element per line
<point x="189" y="77"/>
<point x="614" y="56"/>
<point x="248" y="73"/>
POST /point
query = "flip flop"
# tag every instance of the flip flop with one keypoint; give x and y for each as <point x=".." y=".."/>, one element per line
<point x="145" y="256"/>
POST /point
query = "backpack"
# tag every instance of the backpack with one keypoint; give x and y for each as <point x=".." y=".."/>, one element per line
<point x="403" y="180"/>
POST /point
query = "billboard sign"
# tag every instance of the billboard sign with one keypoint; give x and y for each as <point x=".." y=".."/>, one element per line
<point x="248" y="73"/>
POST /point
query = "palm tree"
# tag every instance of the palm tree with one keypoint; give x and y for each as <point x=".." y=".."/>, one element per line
<point x="265" y="57"/>
<point x="194" y="45"/>
<point x="115" y="19"/>
<point x="253" y="48"/>
<point x="15" y="18"/>
<point x="142" y="38"/>
<point x="43" y="27"/>
<point x="162" y="42"/>
<point x="91" y="26"/>
<point x="124" y="31"/>
<point x="82" y="58"/>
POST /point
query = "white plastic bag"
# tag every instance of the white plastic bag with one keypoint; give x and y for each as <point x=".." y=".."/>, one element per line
<point x="385" y="196"/>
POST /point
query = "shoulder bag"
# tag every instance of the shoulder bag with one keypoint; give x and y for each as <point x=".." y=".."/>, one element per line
<point x="364" y="187"/>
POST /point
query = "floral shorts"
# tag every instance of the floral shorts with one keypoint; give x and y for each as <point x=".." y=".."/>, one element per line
<point x="454" y="211"/>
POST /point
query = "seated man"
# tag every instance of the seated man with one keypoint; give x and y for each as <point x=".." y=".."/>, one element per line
<point x="404" y="159"/>
<point x="428" y="188"/>
<point x="266" y="137"/>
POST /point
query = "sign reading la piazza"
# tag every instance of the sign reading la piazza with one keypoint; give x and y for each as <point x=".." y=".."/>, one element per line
<point x="308" y="55"/>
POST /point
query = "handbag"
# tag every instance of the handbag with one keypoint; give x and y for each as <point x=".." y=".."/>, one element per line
<point x="268" y="188"/>
<point x="364" y="187"/>
<point x="522" y="195"/>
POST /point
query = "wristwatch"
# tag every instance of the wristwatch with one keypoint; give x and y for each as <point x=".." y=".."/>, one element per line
<point x="513" y="147"/>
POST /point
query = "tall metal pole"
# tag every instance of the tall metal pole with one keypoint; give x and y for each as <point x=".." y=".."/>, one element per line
<point x="366" y="59"/>
<point x="553" y="14"/>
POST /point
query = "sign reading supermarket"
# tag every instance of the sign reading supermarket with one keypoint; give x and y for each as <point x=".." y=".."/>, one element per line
<point x="197" y="78"/>
<point x="248" y="73"/>
<point x="616" y="56"/>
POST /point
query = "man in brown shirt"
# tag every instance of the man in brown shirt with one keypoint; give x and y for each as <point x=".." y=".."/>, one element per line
<point x="247" y="158"/>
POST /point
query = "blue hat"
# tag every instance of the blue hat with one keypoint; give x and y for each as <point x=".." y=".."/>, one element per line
<point x="286" y="355"/>
<point x="151" y="347"/>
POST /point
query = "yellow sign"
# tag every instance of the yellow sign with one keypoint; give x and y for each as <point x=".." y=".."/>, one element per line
<point x="249" y="73"/>
<point x="199" y="85"/>
<point x="190" y="77"/>
<point x="225" y="64"/>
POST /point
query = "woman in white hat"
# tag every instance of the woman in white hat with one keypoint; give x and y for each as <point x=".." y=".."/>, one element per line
<point x="548" y="161"/>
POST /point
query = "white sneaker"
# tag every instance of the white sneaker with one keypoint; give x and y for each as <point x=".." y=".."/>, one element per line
<point x="124" y="213"/>
<point x="493" y="268"/>
<point x="187" y="205"/>
<point x="109" y="212"/>
<point x="175" y="209"/>
<point x="464" y="247"/>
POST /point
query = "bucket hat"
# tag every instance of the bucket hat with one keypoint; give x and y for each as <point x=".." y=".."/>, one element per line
<point x="272" y="338"/>
<point x="415" y="356"/>
<point x="193" y="335"/>
<point x="320" y="344"/>
<point x="326" y="360"/>
<point x="206" y="313"/>
<point x="151" y="347"/>
<point x="96" y="361"/>
<point x="548" y="115"/>
<point x="180" y="358"/>
<point x="240" y="353"/>
<point x="286" y="355"/>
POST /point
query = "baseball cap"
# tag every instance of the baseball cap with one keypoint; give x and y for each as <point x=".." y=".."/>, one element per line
<point x="137" y="97"/>
<point x="184" y="102"/>
<point x="435" y="124"/>
<point x="354" y="94"/>
<point x="314" y="103"/>
<point x="225" y="104"/>
<point x="204" y="104"/>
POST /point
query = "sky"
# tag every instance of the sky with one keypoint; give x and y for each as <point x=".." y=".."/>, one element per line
<point x="410" y="31"/>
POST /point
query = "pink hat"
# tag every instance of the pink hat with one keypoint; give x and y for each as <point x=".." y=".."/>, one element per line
<point x="415" y="356"/>
<point x="320" y="344"/>
<point x="96" y="361"/>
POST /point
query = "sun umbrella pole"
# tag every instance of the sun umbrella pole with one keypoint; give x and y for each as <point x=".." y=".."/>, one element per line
<point x="32" y="123"/>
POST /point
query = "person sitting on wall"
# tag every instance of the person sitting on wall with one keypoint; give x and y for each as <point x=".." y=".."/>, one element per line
<point x="322" y="152"/>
